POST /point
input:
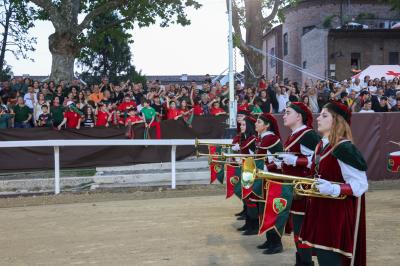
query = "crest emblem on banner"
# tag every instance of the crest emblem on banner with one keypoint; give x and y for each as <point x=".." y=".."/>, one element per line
<point x="279" y="205"/>
<point x="217" y="168"/>
<point x="234" y="180"/>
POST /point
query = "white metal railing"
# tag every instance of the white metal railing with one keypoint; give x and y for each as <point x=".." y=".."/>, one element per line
<point x="56" y="144"/>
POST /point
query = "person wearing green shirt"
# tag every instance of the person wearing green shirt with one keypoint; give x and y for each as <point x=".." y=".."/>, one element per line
<point x="23" y="114"/>
<point x="57" y="111"/>
<point x="149" y="116"/>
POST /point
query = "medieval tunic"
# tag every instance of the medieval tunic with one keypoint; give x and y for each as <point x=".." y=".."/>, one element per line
<point x="335" y="224"/>
<point x="302" y="142"/>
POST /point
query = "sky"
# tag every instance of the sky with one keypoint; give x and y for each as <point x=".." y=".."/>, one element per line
<point x="197" y="49"/>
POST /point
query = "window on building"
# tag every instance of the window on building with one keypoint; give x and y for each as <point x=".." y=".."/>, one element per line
<point x="307" y="29"/>
<point x="304" y="64"/>
<point x="285" y="44"/>
<point x="393" y="58"/>
<point x="272" y="59"/>
<point x="355" y="60"/>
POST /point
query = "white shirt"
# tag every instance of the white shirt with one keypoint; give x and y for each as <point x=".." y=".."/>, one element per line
<point x="357" y="179"/>
<point x="266" y="133"/>
<point x="282" y="100"/>
<point x="303" y="149"/>
<point x="28" y="100"/>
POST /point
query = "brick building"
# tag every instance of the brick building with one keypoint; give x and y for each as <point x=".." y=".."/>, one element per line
<point x="330" y="37"/>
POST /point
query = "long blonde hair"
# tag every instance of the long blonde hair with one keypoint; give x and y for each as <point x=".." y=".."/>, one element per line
<point x="340" y="129"/>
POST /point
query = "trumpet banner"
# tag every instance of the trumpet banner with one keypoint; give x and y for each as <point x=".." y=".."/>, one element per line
<point x="216" y="169"/>
<point x="233" y="184"/>
<point x="257" y="187"/>
<point x="276" y="207"/>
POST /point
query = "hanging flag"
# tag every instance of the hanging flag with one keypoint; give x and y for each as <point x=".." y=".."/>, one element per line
<point x="216" y="169"/>
<point x="276" y="207"/>
<point x="233" y="186"/>
<point x="257" y="187"/>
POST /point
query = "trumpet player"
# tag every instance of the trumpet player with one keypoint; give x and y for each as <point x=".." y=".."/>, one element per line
<point x="247" y="146"/>
<point x="336" y="228"/>
<point x="302" y="142"/>
<point x="269" y="142"/>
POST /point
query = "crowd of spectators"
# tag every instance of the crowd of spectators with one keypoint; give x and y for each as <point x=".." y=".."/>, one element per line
<point x="25" y="103"/>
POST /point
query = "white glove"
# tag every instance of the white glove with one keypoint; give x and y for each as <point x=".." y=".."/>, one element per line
<point x="265" y="168"/>
<point x="289" y="159"/>
<point x="327" y="188"/>
<point x="278" y="163"/>
<point x="236" y="147"/>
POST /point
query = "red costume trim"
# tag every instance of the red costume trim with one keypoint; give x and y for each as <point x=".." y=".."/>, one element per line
<point x="345" y="189"/>
<point x="302" y="161"/>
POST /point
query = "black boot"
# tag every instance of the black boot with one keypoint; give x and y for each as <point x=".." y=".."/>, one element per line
<point x="252" y="229"/>
<point x="245" y="226"/>
<point x="275" y="246"/>
<point x="243" y="212"/>
<point x="264" y="245"/>
<point x="298" y="260"/>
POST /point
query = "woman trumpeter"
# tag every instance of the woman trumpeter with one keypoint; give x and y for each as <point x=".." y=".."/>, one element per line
<point x="335" y="228"/>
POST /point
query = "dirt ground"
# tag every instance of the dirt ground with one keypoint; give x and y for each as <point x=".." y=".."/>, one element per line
<point x="192" y="226"/>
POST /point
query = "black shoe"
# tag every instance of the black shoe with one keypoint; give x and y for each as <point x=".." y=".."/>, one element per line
<point x="298" y="260"/>
<point x="273" y="249"/>
<point x="264" y="245"/>
<point x="241" y="218"/>
<point x="243" y="228"/>
<point x="242" y="213"/>
<point x="250" y="232"/>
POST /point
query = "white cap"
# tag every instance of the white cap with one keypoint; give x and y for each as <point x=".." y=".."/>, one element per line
<point x="69" y="103"/>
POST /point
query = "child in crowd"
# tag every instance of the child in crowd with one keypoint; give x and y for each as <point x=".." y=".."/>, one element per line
<point x="133" y="118"/>
<point x="216" y="110"/>
<point x="149" y="117"/>
<point x="173" y="113"/>
<point x="45" y="119"/>
<point x="102" y="115"/>
<point x="89" y="120"/>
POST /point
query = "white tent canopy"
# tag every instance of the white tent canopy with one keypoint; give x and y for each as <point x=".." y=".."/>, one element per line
<point x="379" y="71"/>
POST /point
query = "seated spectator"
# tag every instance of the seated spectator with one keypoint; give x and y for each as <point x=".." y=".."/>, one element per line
<point x="23" y="114"/>
<point x="396" y="108"/>
<point x="367" y="108"/>
<point x="5" y="117"/>
<point x="359" y="101"/>
<point x="72" y="119"/>
<point x="383" y="104"/>
<point x="45" y="119"/>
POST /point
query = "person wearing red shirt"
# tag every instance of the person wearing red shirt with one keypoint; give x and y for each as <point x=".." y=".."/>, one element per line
<point x="173" y="113"/>
<point x="126" y="104"/>
<point x="102" y="116"/>
<point x="216" y="110"/>
<point x="133" y="118"/>
<point x="71" y="118"/>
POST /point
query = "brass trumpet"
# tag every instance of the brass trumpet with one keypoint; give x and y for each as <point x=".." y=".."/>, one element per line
<point x="302" y="186"/>
<point x="212" y="157"/>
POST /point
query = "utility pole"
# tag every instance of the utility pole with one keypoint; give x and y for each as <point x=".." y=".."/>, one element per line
<point x="232" y="102"/>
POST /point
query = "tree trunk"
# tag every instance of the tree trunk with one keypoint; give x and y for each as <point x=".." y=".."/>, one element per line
<point x="5" y="37"/>
<point x="254" y="37"/>
<point x="64" y="48"/>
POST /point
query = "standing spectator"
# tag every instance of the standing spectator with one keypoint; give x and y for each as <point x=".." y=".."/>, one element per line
<point x="44" y="119"/>
<point x="5" y="117"/>
<point x="37" y="107"/>
<point x="282" y="97"/>
<point x="57" y="112"/>
<point x="133" y="117"/>
<point x="149" y="116"/>
<point x="59" y="93"/>
<point x="266" y="105"/>
<point x="30" y="98"/>
<point x="96" y="95"/>
<point x="71" y="118"/>
<point x="126" y="104"/>
<point x="173" y="113"/>
<point x="359" y="101"/>
<point x="306" y="101"/>
<point x="102" y="115"/>
<point x="23" y="114"/>
<point x="88" y="120"/>
<point x="313" y="97"/>
<point x="216" y="110"/>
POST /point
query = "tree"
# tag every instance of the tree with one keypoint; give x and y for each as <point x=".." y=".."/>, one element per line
<point x="108" y="54"/>
<point x="250" y="15"/>
<point x="70" y="36"/>
<point x="15" y="21"/>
